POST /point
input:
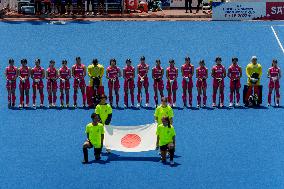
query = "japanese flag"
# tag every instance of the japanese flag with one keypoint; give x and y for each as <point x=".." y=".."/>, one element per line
<point x="131" y="138"/>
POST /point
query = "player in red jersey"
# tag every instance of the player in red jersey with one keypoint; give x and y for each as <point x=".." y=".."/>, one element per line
<point x="112" y="74"/>
<point x="24" y="73"/>
<point x="235" y="74"/>
<point x="51" y="76"/>
<point x="37" y="74"/>
<point x="79" y="73"/>
<point x="172" y="86"/>
<point x="201" y="84"/>
<point x="11" y="74"/>
<point x="157" y="75"/>
<point x="64" y="76"/>
<point x="187" y="71"/>
<point x="142" y="72"/>
<point x="128" y="75"/>
<point x="274" y="74"/>
<point x="218" y="73"/>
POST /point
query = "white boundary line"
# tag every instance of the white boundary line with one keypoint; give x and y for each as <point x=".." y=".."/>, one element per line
<point x="277" y="38"/>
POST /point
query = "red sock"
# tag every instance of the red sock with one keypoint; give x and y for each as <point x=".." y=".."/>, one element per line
<point x="126" y="98"/>
<point x="147" y="97"/>
<point x="214" y="98"/>
<point x="54" y="99"/>
<point x="67" y="99"/>
<point x="269" y="98"/>
<point x="222" y="97"/>
<point x="204" y="99"/>
<point x="132" y="98"/>
<point x="190" y="98"/>
<point x="49" y="99"/>
<point x="198" y="99"/>
<point x="231" y="97"/>
<point x="75" y="98"/>
<point x="139" y="97"/>
<point x="41" y="98"/>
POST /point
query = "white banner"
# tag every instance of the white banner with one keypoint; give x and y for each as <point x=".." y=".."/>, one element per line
<point x="239" y="11"/>
<point x="131" y="138"/>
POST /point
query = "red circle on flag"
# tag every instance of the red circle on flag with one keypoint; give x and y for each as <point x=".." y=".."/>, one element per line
<point x="130" y="141"/>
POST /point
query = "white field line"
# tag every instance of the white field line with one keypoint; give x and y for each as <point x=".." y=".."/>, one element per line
<point x="277" y="38"/>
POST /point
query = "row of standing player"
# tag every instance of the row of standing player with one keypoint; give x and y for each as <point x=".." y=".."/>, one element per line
<point x="113" y="73"/>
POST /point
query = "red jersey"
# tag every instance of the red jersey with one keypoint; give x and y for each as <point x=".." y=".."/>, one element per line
<point x="157" y="72"/>
<point x="273" y="72"/>
<point x="113" y="72"/>
<point x="143" y="69"/>
<point x="79" y="71"/>
<point x="172" y="72"/>
<point x="38" y="72"/>
<point x="187" y="70"/>
<point x="11" y="72"/>
<point x="24" y="72"/>
<point x="129" y="72"/>
<point x="201" y="72"/>
<point x="235" y="71"/>
<point x="52" y="73"/>
<point x="64" y="73"/>
<point x="218" y="71"/>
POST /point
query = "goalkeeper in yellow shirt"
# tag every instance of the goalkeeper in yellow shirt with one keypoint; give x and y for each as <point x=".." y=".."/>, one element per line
<point x="95" y="88"/>
<point x="254" y="73"/>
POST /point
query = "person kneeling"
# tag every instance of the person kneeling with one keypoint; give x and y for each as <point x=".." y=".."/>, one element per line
<point x="166" y="140"/>
<point x="95" y="138"/>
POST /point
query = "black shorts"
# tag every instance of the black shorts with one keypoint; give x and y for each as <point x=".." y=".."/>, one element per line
<point x="164" y="148"/>
<point x="97" y="151"/>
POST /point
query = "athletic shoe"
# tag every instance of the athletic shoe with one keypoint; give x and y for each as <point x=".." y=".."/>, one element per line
<point x="41" y="105"/>
<point x="61" y="106"/>
<point x="213" y="105"/>
<point x="75" y="105"/>
<point x="67" y="105"/>
<point x="13" y="105"/>
<point x="87" y="13"/>
<point x="84" y="105"/>
<point x="125" y="106"/>
<point x="237" y="104"/>
<point x="204" y="105"/>
<point x="146" y="105"/>
<point x="93" y="13"/>
<point x="20" y="106"/>
<point x="268" y="105"/>
<point x="172" y="162"/>
<point x="198" y="106"/>
<point x="277" y="105"/>
<point x="85" y="162"/>
<point x="190" y="105"/>
<point x="138" y="105"/>
<point x="174" y="105"/>
<point x="231" y="104"/>
<point x="9" y="106"/>
<point x="27" y="105"/>
<point x="49" y="106"/>
<point x="34" y="106"/>
<point x="221" y="105"/>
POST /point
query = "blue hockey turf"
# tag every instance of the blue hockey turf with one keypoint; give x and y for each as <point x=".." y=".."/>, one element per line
<point x="221" y="148"/>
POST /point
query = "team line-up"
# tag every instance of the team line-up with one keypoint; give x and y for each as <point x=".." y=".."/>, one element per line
<point x="96" y="71"/>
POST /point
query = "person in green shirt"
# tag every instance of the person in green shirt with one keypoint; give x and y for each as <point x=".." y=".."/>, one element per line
<point x="164" y="110"/>
<point x="95" y="138"/>
<point x="166" y="139"/>
<point x="104" y="111"/>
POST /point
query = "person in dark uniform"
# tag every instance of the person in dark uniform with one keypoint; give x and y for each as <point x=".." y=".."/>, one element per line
<point x="188" y="5"/>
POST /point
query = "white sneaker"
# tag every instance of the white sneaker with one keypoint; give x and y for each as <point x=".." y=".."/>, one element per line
<point x="231" y="104"/>
<point x="146" y="105"/>
<point x="49" y="106"/>
<point x="277" y="105"/>
<point x="172" y="162"/>
<point x="138" y="105"/>
<point x="53" y="105"/>
<point x="20" y="106"/>
<point x="221" y="105"/>
<point x="189" y="105"/>
<point x="204" y="105"/>
<point x="26" y="106"/>
<point x="213" y="105"/>
<point x="237" y="104"/>
<point x="125" y="106"/>
<point x="174" y="105"/>
<point x="108" y="151"/>
<point x="75" y="105"/>
<point x="34" y="106"/>
<point x="41" y="105"/>
<point x="198" y="106"/>
<point x="268" y="105"/>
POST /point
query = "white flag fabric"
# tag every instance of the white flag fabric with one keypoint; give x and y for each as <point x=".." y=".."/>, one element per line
<point x="131" y="138"/>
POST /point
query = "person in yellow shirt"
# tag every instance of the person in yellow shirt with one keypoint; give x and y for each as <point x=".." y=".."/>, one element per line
<point x="166" y="139"/>
<point x="95" y="72"/>
<point x="104" y="111"/>
<point x="254" y="73"/>
<point x="95" y="88"/>
<point x="95" y="138"/>
<point x="164" y="110"/>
